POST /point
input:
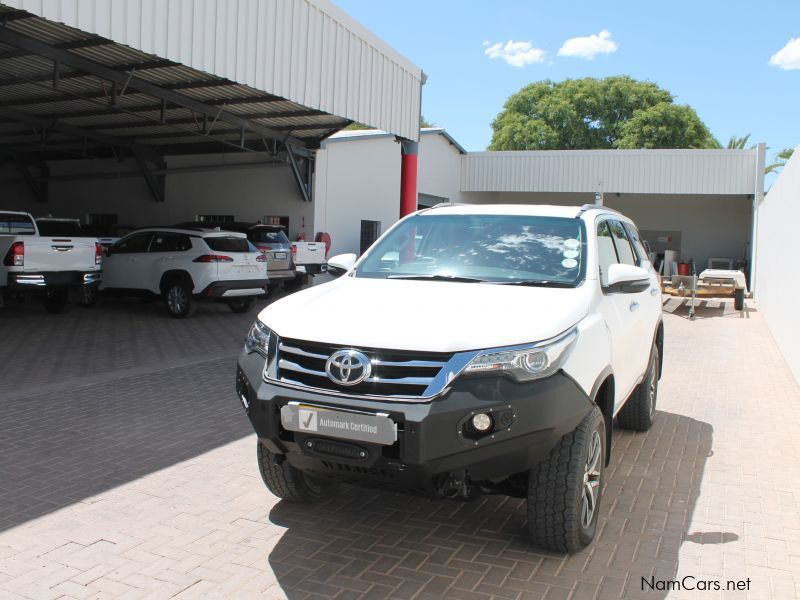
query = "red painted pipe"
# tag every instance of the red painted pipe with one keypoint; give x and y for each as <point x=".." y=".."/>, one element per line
<point x="408" y="178"/>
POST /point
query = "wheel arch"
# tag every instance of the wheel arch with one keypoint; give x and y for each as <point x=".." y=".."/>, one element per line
<point x="603" y="396"/>
<point x="172" y="275"/>
<point x="659" y="342"/>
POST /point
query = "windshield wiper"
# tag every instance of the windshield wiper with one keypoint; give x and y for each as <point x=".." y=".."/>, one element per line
<point x="537" y="283"/>
<point x="455" y="278"/>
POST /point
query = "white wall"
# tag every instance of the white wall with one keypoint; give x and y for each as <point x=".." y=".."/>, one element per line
<point x="355" y="180"/>
<point x="248" y="194"/>
<point x="439" y="170"/>
<point x="358" y="177"/>
<point x="778" y="284"/>
<point x="711" y="226"/>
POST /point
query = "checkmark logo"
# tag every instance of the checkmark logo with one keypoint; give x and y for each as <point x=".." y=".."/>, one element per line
<point x="308" y="420"/>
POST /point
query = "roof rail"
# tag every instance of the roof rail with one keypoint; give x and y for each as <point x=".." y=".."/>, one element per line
<point x="442" y="205"/>
<point x="588" y="207"/>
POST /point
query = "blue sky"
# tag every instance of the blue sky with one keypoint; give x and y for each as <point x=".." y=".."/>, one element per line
<point x="712" y="55"/>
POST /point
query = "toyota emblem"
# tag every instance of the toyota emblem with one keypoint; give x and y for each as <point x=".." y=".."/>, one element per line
<point x="348" y="367"/>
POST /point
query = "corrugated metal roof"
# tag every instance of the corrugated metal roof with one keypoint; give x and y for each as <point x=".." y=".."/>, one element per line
<point x="306" y="51"/>
<point x="612" y="171"/>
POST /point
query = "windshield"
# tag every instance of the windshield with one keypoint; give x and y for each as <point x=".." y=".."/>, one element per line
<point x="16" y="224"/>
<point x="483" y="248"/>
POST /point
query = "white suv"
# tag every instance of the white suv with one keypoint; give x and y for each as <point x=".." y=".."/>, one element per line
<point x="186" y="265"/>
<point x="471" y="350"/>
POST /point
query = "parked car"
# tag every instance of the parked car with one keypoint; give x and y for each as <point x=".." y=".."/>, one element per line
<point x="269" y="239"/>
<point x="47" y="258"/>
<point x="184" y="266"/>
<point x="471" y="350"/>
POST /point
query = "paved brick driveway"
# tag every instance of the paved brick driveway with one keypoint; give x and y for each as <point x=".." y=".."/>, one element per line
<point x="127" y="470"/>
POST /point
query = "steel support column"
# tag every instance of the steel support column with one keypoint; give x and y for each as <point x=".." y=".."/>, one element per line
<point x="408" y="176"/>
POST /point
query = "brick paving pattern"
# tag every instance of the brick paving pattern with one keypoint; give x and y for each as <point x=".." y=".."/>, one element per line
<point x="127" y="469"/>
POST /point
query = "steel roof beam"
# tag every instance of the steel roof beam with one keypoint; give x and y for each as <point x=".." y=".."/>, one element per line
<point x="54" y="125"/>
<point x="23" y="42"/>
<point x="44" y="77"/>
<point x="73" y="45"/>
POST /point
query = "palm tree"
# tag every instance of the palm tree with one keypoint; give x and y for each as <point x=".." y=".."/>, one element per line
<point x="781" y="158"/>
<point x="738" y="143"/>
<point x="735" y="143"/>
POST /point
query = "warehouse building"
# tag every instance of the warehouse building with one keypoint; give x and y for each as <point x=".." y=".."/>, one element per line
<point x="141" y="113"/>
<point x="698" y="203"/>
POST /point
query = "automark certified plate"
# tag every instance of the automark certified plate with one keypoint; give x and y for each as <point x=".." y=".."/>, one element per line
<point x="279" y="254"/>
<point x="374" y="428"/>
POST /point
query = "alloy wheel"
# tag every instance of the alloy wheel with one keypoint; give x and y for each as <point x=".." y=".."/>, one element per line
<point x="177" y="299"/>
<point x="591" y="481"/>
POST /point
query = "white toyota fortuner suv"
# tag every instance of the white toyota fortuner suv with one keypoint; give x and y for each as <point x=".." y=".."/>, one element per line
<point x="471" y="350"/>
<point x="183" y="266"/>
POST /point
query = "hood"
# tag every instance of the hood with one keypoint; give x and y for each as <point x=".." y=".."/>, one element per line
<point x="425" y="316"/>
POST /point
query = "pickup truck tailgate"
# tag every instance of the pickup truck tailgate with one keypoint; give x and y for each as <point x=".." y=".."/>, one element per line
<point x="309" y="253"/>
<point x="59" y="254"/>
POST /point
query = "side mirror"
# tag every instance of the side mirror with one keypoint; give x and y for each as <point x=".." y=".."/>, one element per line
<point x="340" y="264"/>
<point x="627" y="279"/>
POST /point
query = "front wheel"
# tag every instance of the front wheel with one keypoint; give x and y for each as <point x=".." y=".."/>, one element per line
<point x="288" y="483"/>
<point x="240" y="305"/>
<point x="55" y="300"/>
<point x="564" y="490"/>
<point x="178" y="299"/>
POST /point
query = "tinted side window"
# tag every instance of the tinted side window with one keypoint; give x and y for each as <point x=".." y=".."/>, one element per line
<point x="606" y="254"/>
<point x="229" y="244"/>
<point x="133" y="244"/>
<point x="636" y="241"/>
<point x="624" y="250"/>
<point x="170" y="242"/>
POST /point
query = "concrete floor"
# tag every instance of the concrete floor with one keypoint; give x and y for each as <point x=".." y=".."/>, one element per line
<point x="127" y="469"/>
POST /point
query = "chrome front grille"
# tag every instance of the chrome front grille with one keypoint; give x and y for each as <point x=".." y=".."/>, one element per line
<point x="394" y="373"/>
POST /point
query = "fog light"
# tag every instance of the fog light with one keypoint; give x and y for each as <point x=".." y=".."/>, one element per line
<point x="482" y="422"/>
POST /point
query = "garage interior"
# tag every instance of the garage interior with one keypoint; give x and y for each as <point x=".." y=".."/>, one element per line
<point x="98" y="130"/>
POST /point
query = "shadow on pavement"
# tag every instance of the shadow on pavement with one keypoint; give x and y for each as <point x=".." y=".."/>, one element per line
<point x="366" y="543"/>
<point x="60" y="448"/>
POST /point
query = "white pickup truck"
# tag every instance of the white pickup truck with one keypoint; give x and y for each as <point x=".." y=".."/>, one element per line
<point x="48" y="266"/>
<point x="309" y="257"/>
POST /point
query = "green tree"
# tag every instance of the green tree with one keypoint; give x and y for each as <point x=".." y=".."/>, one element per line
<point x="781" y="158"/>
<point x="595" y="113"/>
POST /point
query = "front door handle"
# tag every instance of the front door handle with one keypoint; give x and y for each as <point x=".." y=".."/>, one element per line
<point x="634" y="306"/>
<point x="654" y="291"/>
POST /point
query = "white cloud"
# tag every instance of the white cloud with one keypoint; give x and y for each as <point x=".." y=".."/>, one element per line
<point x="589" y="46"/>
<point x="788" y="57"/>
<point x="517" y="54"/>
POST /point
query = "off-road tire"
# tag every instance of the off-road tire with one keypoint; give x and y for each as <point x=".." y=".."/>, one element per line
<point x="556" y="489"/>
<point x="55" y="300"/>
<point x="88" y="296"/>
<point x="178" y="299"/>
<point x="240" y="305"/>
<point x="288" y="483"/>
<point x="640" y="409"/>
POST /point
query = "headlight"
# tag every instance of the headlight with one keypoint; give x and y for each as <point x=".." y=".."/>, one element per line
<point x="525" y="363"/>
<point x="258" y="339"/>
